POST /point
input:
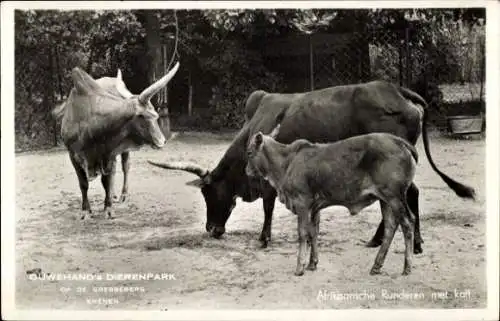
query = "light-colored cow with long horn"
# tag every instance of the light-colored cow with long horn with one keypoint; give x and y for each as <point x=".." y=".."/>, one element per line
<point x="117" y="87"/>
<point x="101" y="119"/>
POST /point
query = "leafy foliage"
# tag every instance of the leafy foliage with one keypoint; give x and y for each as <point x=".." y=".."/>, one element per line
<point x="238" y="71"/>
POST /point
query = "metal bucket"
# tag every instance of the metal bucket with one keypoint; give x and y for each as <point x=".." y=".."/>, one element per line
<point x="465" y="124"/>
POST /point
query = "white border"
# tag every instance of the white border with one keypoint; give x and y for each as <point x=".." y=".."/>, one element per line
<point x="8" y="169"/>
<point x="128" y="5"/>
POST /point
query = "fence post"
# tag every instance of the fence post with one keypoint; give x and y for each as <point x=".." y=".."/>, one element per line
<point x="400" y="52"/>
<point x="482" y="71"/>
<point x="190" y="97"/>
<point x="51" y="95"/>
<point x="59" y="79"/>
<point x="311" y="62"/>
<point x="408" y="65"/>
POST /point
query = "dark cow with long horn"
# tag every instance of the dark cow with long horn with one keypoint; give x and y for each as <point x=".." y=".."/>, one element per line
<point x="99" y="124"/>
<point x="320" y="116"/>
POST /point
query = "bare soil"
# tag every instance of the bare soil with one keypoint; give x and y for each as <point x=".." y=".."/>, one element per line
<point x="160" y="229"/>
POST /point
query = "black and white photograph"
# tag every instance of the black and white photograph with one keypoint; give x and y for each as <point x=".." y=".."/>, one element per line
<point x="250" y="160"/>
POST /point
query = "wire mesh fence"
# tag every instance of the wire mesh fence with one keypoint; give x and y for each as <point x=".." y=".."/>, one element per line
<point x="458" y="69"/>
<point x="447" y="71"/>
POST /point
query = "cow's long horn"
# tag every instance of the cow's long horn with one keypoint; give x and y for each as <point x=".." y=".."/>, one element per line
<point x="120" y="86"/>
<point x="188" y="167"/>
<point x="149" y="92"/>
<point x="83" y="82"/>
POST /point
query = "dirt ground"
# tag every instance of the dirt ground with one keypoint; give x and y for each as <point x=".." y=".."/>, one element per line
<point x="160" y="229"/>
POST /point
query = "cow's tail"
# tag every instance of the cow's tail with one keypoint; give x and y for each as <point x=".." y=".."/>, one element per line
<point x="460" y="189"/>
<point x="58" y="111"/>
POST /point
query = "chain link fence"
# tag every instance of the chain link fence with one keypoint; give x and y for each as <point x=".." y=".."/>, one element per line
<point x="36" y="84"/>
<point x="447" y="71"/>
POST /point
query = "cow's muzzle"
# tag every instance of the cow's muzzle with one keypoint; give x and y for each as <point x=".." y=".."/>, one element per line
<point x="214" y="230"/>
<point x="250" y="171"/>
<point x="158" y="143"/>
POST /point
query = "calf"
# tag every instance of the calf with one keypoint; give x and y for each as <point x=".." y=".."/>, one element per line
<point x="353" y="173"/>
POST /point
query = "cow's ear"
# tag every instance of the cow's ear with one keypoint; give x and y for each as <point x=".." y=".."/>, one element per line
<point x="199" y="183"/>
<point x="258" y="139"/>
<point x="275" y="131"/>
<point x="84" y="83"/>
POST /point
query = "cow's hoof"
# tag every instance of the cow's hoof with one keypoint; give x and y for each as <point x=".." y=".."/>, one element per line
<point x="109" y="213"/>
<point x="299" y="271"/>
<point x="417" y="249"/>
<point x="406" y="272"/>
<point x="123" y="198"/>
<point x="375" y="271"/>
<point x="264" y="241"/>
<point x="84" y="213"/>
<point x="312" y="266"/>
<point x="373" y="243"/>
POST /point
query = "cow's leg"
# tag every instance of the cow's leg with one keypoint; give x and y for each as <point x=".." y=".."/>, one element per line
<point x="84" y="187"/>
<point x="390" y="226"/>
<point x="303" y="227"/>
<point x="125" y="169"/>
<point x="407" y="225"/>
<point x="379" y="234"/>
<point x="268" y="201"/>
<point x="412" y="196"/>
<point x="313" y="232"/>
<point x="107" y="183"/>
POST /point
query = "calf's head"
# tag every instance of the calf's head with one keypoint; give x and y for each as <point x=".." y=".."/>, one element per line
<point x="257" y="162"/>
<point x="256" y="165"/>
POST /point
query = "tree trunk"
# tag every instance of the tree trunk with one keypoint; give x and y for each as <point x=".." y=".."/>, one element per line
<point x="156" y="66"/>
<point x="154" y="54"/>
